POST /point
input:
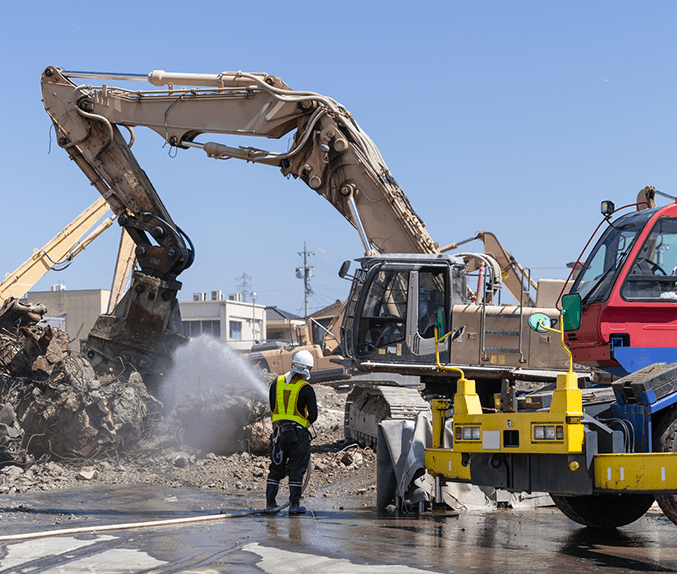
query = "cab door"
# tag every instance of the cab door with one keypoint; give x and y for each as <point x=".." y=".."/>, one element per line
<point x="429" y="290"/>
<point x="641" y="318"/>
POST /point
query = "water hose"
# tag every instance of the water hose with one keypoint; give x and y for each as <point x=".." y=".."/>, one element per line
<point x="148" y="524"/>
<point x="127" y="526"/>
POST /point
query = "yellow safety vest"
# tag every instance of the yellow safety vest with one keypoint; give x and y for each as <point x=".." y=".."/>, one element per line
<point x="286" y="402"/>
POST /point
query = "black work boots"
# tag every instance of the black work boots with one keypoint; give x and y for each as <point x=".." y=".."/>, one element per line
<point x="271" y="493"/>
<point x="294" y="498"/>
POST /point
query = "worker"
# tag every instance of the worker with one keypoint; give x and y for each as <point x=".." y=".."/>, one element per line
<point x="294" y="407"/>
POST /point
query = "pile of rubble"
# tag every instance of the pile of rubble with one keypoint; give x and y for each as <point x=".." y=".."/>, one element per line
<point x="61" y="425"/>
<point x="53" y="406"/>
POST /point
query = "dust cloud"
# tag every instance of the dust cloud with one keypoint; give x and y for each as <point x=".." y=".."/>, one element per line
<point x="212" y="394"/>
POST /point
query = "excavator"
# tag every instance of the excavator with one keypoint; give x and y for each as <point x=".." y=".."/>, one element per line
<point x="403" y="282"/>
<point x="313" y="336"/>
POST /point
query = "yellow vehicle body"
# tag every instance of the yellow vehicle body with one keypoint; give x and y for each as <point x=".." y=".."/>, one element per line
<point x="508" y="433"/>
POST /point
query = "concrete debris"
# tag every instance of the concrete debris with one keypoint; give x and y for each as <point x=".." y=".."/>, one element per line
<point x="221" y="428"/>
<point x="52" y="403"/>
<point x="242" y="471"/>
<point x="87" y="473"/>
<point x="349" y="459"/>
<point x="15" y="313"/>
<point x="346" y="459"/>
<point x="221" y="425"/>
<point x="60" y="424"/>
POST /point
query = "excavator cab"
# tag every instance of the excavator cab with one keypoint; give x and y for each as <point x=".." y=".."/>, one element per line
<point x="394" y="306"/>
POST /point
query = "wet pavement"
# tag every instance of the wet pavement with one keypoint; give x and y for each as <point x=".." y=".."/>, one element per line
<point x="327" y="540"/>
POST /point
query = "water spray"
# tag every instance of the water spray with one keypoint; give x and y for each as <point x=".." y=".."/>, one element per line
<point x="205" y="370"/>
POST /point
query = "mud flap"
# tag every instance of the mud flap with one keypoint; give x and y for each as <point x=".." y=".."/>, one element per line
<point x="386" y="481"/>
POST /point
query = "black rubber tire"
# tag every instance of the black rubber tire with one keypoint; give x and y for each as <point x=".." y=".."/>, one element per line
<point x="604" y="510"/>
<point x="665" y="440"/>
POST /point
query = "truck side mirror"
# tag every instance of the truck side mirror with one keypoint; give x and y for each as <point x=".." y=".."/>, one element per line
<point x="343" y="271"/>
<point x="537" y="321"/>
<point x="440" y="323"/>
<point x="571" y="311"/>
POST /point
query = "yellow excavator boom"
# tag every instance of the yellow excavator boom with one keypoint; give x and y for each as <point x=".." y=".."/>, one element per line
<point x="123" y="267"/>
<point x="60" y="250"/>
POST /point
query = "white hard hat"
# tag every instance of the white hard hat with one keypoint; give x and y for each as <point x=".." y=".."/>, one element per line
<point x="302" y="362"/>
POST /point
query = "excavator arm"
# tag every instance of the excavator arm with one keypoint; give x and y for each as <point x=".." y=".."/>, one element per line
<point x="515" y="277"/>
<point x="58" y="253"/>
<point x="330" y="153"/>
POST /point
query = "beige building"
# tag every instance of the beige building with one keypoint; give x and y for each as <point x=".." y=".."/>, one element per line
<point x="72" y="311"/>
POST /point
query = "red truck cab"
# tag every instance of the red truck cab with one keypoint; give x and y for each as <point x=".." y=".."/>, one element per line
<point x="628" y="294"/>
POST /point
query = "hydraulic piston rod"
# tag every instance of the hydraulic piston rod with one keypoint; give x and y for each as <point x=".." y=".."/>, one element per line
<point x="162" y="78"/>
<point x="358" y="223"/>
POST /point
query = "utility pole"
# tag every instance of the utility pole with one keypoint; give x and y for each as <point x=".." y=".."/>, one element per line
<point x="305" y="273"/>
<point x="253" y="298"/>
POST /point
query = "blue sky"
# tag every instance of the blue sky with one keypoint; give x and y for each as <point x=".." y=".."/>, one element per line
<point x="511" y="117"/>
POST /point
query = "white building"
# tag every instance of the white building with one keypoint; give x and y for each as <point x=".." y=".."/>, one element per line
<point x="238" y="324"/>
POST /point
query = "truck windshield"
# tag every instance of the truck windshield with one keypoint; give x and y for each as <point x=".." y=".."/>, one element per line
<point x="596" y="279"/>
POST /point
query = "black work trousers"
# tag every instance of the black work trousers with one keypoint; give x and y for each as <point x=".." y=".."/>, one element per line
<point x="289" y="453"/>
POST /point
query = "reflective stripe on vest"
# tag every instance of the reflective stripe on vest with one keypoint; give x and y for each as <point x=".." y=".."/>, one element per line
<point x="286" y="402"/>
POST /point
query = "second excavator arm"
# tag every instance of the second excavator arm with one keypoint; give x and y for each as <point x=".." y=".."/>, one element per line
<point x="515" y="277"/>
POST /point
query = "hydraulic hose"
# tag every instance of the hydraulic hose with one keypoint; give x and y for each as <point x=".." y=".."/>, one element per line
<point x="148" y="524"/>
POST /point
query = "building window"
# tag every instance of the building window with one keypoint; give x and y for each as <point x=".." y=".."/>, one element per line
<point x="193" y="329"/>
<point x="216" y="329"/>
<point x="235" y="329"/>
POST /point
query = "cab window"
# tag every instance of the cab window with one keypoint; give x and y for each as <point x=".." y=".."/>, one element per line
<point x="597" y="277"/>
<point x="430" y="299"/>
<point x="653" y="273"/>
<point x="385" y="309"/>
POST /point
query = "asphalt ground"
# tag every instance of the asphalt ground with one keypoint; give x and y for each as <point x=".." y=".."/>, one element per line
<point x="333" y="537"/>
